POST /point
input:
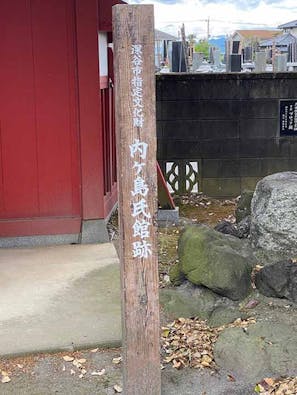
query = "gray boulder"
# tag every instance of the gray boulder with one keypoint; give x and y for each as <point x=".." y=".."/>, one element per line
<point x="222" y="263"/>
<point x="244" y="205"/>
<point x="278" y="280"/>
<point x="274" y="214"/>
<point x="176" y="275"/>
<point x="262" y="350"/>
<point x="188" y="301"/>
<point x="227" y="228"/>
<point x="243" y="227"/>
<point x="224" y="314"/>
<point x="241" y="230"/>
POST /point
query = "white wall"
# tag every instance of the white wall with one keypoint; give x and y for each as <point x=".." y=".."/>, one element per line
<point x="103" y="62"/>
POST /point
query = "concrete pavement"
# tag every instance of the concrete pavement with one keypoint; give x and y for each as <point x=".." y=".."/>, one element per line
<point x="59" y="298"/>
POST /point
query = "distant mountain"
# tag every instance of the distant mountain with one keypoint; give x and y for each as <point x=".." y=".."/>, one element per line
<point x="218" y="42"/>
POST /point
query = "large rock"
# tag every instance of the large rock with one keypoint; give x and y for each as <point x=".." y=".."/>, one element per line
<point x="223" y="315"/>
<point x="262" y="350"/>
<point x="227" y="228"/>
<point x="219" y="262"/>
<point x="278" y="280"/>
<point x="274" y="214"/>
<point x="188" y="301"/>
<point x="176" y="275"/>
<point x="241" y="229"/>
<point x="244" y="205"/>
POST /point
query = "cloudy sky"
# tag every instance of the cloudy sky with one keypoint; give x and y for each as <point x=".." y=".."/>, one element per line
<point x="225" y="15"/>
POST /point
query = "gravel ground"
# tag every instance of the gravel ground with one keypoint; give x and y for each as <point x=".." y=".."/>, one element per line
<point x="50" y="374"/>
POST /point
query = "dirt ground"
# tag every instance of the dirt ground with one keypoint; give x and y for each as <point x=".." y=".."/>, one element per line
<point x="194" y="209"/>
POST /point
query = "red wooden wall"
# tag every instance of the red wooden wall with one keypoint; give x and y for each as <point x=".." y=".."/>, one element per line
<point x="39" y="163"/>
<point x="54" y="123"/>
<point x="57" y="143"/>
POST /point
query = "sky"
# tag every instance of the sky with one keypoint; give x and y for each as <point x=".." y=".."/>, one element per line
<point x="225" y="16"/>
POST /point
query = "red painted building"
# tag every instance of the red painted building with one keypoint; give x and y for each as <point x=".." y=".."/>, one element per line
<point x="57" y="143"/>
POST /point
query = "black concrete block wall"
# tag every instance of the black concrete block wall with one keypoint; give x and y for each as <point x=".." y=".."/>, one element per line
<point x="227" y="122"/>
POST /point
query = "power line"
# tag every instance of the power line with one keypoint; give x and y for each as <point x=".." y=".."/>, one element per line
<point x="217" y="20"/>
<point x="240" y="22"/>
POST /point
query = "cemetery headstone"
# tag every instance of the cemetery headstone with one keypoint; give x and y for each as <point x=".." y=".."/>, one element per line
<point x="260" y="62"/>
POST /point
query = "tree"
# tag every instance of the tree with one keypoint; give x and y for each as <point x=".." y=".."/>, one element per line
<point x="203" y="46"/>
<point x="191" y="37"/>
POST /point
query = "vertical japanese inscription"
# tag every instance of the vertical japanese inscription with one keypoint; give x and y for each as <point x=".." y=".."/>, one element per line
<point x="138" y="150"/>
<point x="133" y="33"/>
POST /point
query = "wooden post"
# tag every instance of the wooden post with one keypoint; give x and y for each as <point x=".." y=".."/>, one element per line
<point x="137" y="184"/>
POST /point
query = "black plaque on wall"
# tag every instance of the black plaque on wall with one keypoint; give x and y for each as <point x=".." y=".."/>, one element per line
<point x="288" y="117"/>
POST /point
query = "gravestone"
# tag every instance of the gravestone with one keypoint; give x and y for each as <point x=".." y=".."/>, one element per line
<point x="260" y="62"/>
<point x="247" y="54"/>
<point x="280" y="63"/>
<point x="178" y="57"/>
<point x="197" y="60"/>
<point x="216" y="57"/>
<point x="211" y="61"/>
<point x="235" y="47"/>
<point x="235" y="62"/>
<point x="227" y="55"/>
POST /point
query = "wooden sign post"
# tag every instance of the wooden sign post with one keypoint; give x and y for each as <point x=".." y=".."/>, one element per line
<point x="134" y="67"/>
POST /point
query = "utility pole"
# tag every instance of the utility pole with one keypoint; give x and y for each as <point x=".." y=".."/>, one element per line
<point x="185" y="46"/>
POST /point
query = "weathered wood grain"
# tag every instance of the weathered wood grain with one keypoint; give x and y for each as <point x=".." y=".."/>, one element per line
<point x="134" y="25"/>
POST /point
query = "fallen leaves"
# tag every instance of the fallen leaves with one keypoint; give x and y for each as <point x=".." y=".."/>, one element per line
<point x="117" y="360"/>
<point x="79" y="365"/>
<point x="251" y="304"/>
<point x="255" y="270"/>
<point x="269" y="381"/>
<point x="98" y="373"/>
<point x="188" y="342"/>
<point x="18" y="365"/>
<point x="118" y="388"/>
<point x="203" y="209"/>
<point x="67" y="358"/>
<point x="5" y="378"/>
<point x="81" y="360"/>
<point x="280" y="386"/>
<point x="76" y="362"/>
